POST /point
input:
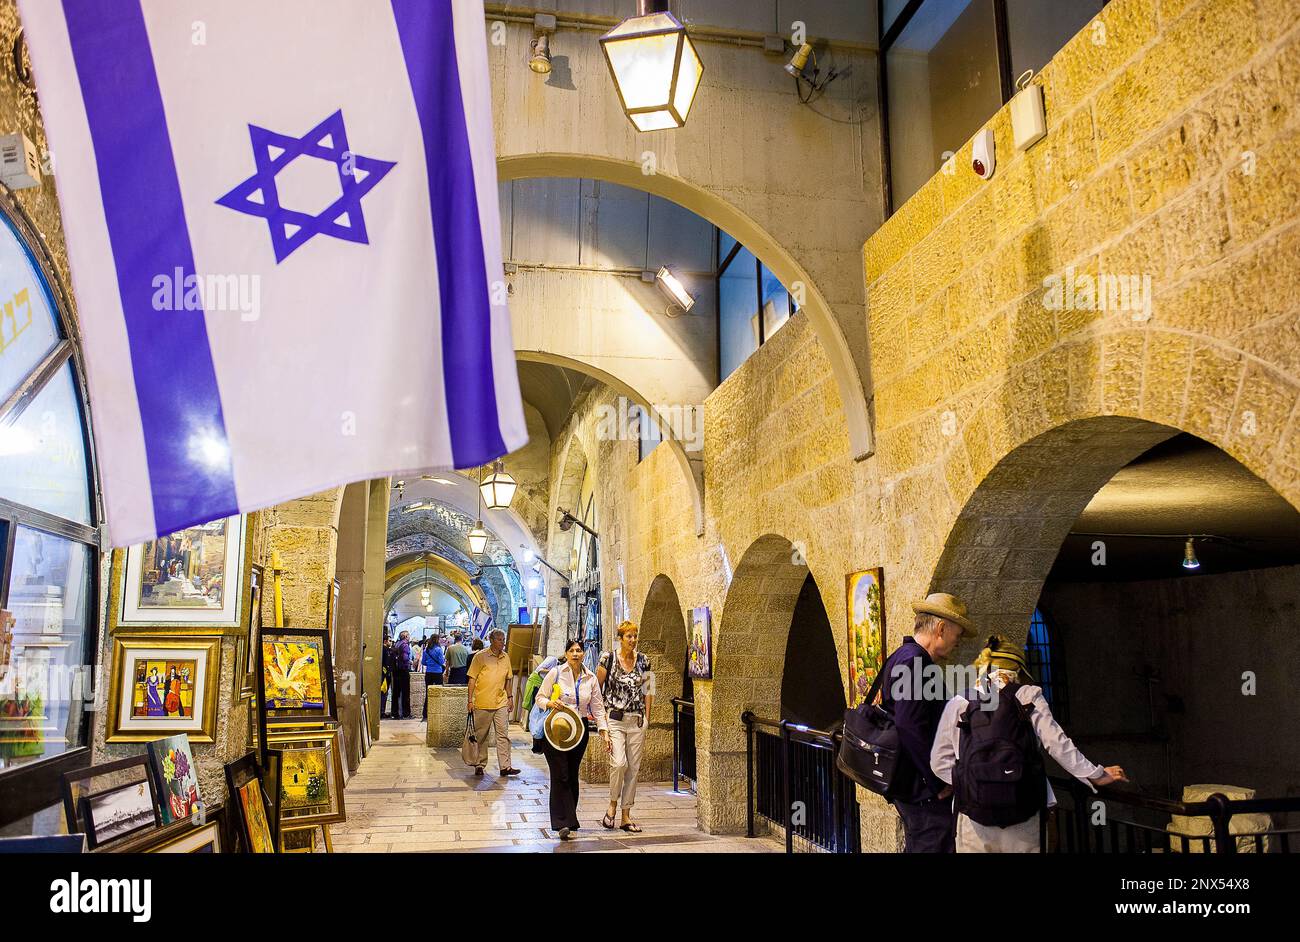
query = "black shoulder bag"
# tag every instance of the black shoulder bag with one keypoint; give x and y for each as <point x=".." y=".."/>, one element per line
<point x="869" y="751"/>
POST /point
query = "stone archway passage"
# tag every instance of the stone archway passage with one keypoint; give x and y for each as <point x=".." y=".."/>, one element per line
<point x="750" y="637"/>
<point x="663" y="640"/>
<point x="1006" y="538"/>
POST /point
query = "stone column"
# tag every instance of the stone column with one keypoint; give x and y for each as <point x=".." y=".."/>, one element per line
<point x="350" y="573"/>
<point x="372" y="598"/>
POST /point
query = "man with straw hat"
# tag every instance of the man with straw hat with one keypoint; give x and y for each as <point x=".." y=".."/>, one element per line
<point x="913" y="694"/>
<point x="988" y="748"/>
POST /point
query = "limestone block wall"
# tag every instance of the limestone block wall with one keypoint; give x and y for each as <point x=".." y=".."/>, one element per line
<point x="1167" y="160"/>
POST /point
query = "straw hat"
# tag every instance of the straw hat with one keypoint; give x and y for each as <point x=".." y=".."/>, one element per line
<point x="564" y="727"/>
<point x="949" y="608"/>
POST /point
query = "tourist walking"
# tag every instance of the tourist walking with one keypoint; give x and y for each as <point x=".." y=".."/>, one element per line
<point x="627" y="686"/>
<point x="457" y="661"/>
<point x="435" y="665"/>
<point x="402" y="677"/>
<point x="491" y="700"/>
<point x="988" y="749"/>
<point x="572" y="694"/>
<point x="385" y="676"/>
<point x="912" y="693"/>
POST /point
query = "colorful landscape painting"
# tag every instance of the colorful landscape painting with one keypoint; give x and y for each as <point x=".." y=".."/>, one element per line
<point x="292" y="675"/>
<point x="304" y="779"/>
<point x="185" y="569"/>
<point x="163" y="688"/>
<point x="866" y="614"/>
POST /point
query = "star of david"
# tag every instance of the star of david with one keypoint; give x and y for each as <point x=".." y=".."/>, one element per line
<point x="290" y="229"/>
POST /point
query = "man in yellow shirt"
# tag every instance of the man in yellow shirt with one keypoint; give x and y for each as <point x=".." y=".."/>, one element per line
<point x="491" y="700"/>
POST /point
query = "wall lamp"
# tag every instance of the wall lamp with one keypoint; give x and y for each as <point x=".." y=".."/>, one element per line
<point x="539" y="50"/>
<point x="672" y="288"/>
<point x="567" y="520"/>
<point x="655" y="67"/>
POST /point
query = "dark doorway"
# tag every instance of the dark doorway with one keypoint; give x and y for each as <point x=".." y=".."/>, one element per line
<point x="812" y="693"/>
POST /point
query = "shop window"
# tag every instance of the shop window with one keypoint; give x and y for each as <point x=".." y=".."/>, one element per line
<point x="1043" y="656"/>
<point x="752" y="304"/>
<point x="49" y="575"/>
<point x="947" y="66"/>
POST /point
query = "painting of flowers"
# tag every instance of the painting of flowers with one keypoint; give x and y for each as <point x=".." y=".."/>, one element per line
<point x="174" y="771"/>
<point x="866" y="615"/>
<point x="293" y="675"/>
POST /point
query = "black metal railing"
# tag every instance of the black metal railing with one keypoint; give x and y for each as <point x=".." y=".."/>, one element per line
<point x="792" y="781"/>
<point x="1114" y="821"/>
<point x="683" y="741"/>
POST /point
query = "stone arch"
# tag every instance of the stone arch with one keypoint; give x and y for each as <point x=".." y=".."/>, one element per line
<point x="745" y="229"/>
<point x="693" y="471"/>
<point x="748" y="652"/>
<point x="1003" y="543"/>
<point x="663" y="640"/>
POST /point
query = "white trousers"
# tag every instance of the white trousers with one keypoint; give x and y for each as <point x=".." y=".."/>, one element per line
<point x="625" y="739"/>
<point x="974" y="838"/>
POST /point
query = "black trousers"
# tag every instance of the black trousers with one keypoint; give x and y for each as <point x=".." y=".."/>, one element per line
<point x="458" y="676"/>
<point x="385" y="694"/>
<point x="430" y="680"/>
<point x="401" y="694"/>
<point x="929" y="827"/>
<point x="564" y="782"/>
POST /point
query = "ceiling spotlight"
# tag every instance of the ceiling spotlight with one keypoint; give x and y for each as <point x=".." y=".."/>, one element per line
<point x="798" y="67"/>
<point x="673" y="289"/>
<point x="498" y="488"/>
<point x="529" y="556"/>
<point x="655" y="67"/>
<point x="1189" y="556"/>
<point x="534" y="583"/>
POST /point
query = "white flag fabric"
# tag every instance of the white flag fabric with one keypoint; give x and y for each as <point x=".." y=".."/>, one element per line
<point x="282" y="225"/>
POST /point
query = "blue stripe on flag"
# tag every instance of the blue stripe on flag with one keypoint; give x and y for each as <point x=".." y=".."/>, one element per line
<point x="429" y="47"/>
<point x="186" y="449"/>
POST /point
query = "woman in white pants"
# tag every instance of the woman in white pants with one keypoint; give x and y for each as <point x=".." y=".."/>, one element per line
<point x="1001" y="669"/>
<point x="628" y="684"/>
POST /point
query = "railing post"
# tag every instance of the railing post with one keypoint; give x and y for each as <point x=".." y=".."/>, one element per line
<point x="676" y="748"/>
<point x="837" y="815"/>
<point x="1221" y="814"/>
<point x="748" y="719"/>
<point x="785" y="787"/>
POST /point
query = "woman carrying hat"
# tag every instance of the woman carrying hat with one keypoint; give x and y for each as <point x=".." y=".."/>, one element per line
<point x="572" y="695"/>
<point x="1003" y="710"/>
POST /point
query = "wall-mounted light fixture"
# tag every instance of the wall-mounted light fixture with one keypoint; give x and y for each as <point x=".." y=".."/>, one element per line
<point x="673" y="289"/>
<point x="1189" y="556"/>
<point x="655" y="67"/>
<point x="539" y="50"/>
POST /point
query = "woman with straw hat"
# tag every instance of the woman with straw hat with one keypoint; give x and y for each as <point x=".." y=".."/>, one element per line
<point x="988" y="749"/>
<point x="572" y="695"/>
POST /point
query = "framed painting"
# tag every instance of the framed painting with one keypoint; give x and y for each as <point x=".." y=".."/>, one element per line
<point x="331" y="616"/>
<point x="700" y="650"/>
<point x="248" y="684"/>
<point x="311" y="777"/>
<point x="176" y="776"/>
<point x="189" y="578"/>
<point x="119" y="811"/>
<point x="161" y="685"/>
<point x="865" y="605"/>
<point x="251" y="806"/>
<point x="295" y="676"/>
<point x="205" y="839"/>
<point x="118" y="815"/>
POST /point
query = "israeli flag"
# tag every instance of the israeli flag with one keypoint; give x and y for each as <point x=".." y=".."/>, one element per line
<point x="282" y="225"/>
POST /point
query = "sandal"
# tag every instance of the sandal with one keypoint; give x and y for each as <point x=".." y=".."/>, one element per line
<point x="631" y="827"/>
<point x="607" y="822"/>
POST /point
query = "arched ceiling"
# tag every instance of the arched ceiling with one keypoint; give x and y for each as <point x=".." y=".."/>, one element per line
<point x="552" y="390"/>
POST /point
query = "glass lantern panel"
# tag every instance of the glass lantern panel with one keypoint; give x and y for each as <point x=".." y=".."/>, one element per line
<point x="688" y="80"/>
<point x="643" y="67"/>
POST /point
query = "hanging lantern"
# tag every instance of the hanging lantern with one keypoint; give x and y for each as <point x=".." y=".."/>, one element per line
<point x="655" y="67"/>
<point x="478" y="538"/>
<point x="498" y="488"/>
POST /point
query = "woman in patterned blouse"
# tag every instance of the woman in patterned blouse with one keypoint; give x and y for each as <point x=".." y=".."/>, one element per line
<point x="628" y="685"/>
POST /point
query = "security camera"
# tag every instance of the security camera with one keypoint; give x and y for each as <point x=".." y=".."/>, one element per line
<point x="982" y="158"/>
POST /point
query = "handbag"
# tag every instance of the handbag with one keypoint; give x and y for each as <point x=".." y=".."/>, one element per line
<point x="469" y="747"/>
<point x="869" y="751"/>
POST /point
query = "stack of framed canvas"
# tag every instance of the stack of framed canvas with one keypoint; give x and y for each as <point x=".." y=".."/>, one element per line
<point x="299" y="725"/>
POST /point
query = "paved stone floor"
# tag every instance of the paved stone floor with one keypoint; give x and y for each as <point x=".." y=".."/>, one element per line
<point x="406" y="796"/>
